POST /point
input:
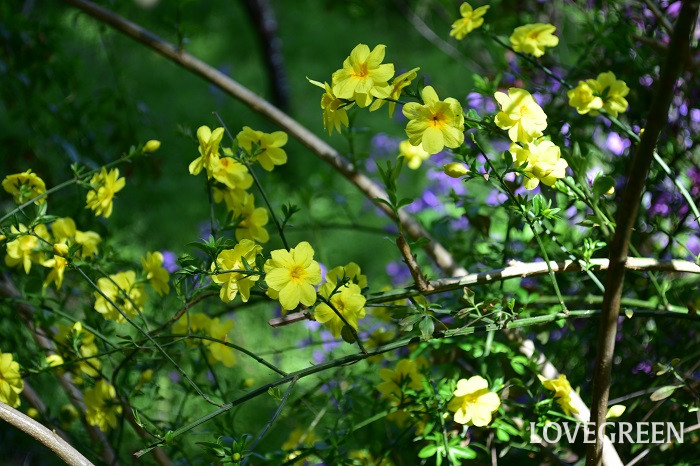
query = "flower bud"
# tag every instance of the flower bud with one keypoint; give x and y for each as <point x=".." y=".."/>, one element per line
<point x="60" y="249"/>
<point x="455" y="169"/>
<point x="151" y="146"/>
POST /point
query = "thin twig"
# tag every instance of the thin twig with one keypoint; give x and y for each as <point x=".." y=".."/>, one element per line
<point x="627" y="216"/>
<point x="283" y="402"/>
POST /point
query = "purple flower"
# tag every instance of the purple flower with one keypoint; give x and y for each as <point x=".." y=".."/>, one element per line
<point x="644" y="366"/>
<point x="616" y="144"/>
<point x="693" y="245"/>
<point x="169" y="261"/>
<point x="480" y="103"/>
<point x="382" y="144"/>
<point x="398" y="272"/>
<point x="496" y="198"/>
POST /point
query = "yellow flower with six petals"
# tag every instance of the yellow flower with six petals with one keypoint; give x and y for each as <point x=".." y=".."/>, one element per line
<point x="291" y="276"/>
<point x="436" y="123"/>
<point x="473" y="403"/>
<point x="533" y="39"/>
<point x="520" y="115"/>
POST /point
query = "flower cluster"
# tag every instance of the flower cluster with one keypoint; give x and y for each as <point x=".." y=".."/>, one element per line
<point x="363" y="80"/>
<point x="230" y="178"/>
<point x="214" y="328"/>
<point x="105" y="185"/>
<point x="49" y="249"/>
<point x="340" y="299"/>
<point x="605" y="92"/>
<point x="24" y="186"/>
<point x="102" y="406"/>
<point x="75" y="337"/>
<point x="539" y="159"/>
<point x="11" y="384"/>
<point x="562" y="392"/>
<point x="123" y="290"/>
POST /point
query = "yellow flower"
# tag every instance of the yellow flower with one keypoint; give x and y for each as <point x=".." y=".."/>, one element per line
<point x="348" y="301"/>
<point x="153" y="266"/>
<point x="88" y="241"/>
<point x="470" y="20"/>
<point x="396" y="88"/>
<point x="24" y="249"/>
<point x="613" y="92"/>
<point x="233" y="198"/>
<point x="520" y="115"/>
<point x="208" y="149"/>
<point x="290" y="276"/>
<point x="219" y="352"/>
<point x="104" y="186"/>
<point x="584" y="99"/>
<point x="351" y="271"/>
<point x="334" y="109"/>
<point x="86" y="347"/>
<point x="534" y="38"/>
<point x="11" y="384"/>
<point x="102" y="406"/>
<point x="118" y="287"/>
<point x="407" y="374"/>
<point x="151" y="146"/>
<point x="231" y="173"/>
<point x="197" y="322"/>
<point x="63" y="229"/>
<point x="235" y="282"/>
<point x="455" y="169"/>
<point x="544" y="162"/>
<point x="58" y="266"/>
<point x="363" y="75"/>
<point x="414" y="155"/>
<point x="436" y="123"/>
<point x="24" y="186"/>
<point x="65" y="232"/>
<point x="53" y="360"/>
<point x="251" y="221"/>
<point x="562" y="392"/>
<point x="265" y="148"/>
<point x="473" y="403"/>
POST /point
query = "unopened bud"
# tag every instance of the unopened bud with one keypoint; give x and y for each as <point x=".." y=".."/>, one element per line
<point x="151" y="146"/>
<point x="455" y="169"/>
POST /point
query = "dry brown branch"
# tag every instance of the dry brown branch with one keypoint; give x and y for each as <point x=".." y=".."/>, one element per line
<point x="49" y="439"/>
<point x="627" y="216"/>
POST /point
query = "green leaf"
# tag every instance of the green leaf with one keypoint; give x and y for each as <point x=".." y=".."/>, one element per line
<point x="427" y="327"/>
<point x="427" y="451"/>
<point x="663" y="392"/>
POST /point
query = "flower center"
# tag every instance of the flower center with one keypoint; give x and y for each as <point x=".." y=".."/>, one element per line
<point x="297" y="273"/>
<point x="524" y="110"/>
<point x="438" y="120"/>
<point x="361" y="71"/>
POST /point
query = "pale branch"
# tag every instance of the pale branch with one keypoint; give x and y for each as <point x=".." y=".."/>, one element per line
<point x="8" y="289"/>
<point x="514" y="270"/>
<point x="43" y="435"/>
<point x="627" y="216"/>
<point x="315" y="144"/>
